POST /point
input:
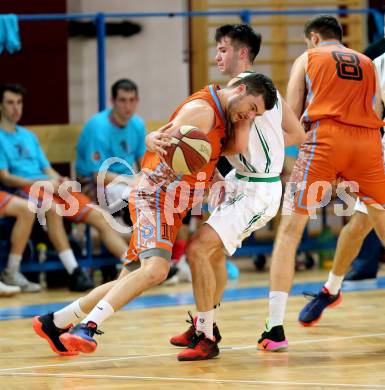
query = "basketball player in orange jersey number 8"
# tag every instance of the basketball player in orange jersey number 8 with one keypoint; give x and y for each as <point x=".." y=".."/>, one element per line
<point x="212" y="111"/>
<point x="343" y="141"/>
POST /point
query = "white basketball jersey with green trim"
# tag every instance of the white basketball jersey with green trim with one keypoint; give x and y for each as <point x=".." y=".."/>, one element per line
<point x="379" y="63"/>
<point x="266" y="148"/>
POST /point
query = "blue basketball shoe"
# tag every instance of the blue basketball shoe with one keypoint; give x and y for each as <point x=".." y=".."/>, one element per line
<point x="80" y="337"/>
<point x="312" y="312"/>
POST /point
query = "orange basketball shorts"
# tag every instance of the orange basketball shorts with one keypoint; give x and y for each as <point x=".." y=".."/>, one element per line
<point x="336" y="151"/>
<point x="157" y="218"/>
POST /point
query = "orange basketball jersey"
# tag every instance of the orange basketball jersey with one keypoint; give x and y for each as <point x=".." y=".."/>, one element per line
<point x="152" y="162"/>
<point x="341" y="85"/>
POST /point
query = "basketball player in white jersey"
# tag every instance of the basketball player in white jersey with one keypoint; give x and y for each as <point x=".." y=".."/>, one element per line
<point x="349" y="243"/>
<point x="253" y="191"/>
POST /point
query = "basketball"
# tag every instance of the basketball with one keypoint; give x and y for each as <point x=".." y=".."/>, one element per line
<point x="189" y="152"/>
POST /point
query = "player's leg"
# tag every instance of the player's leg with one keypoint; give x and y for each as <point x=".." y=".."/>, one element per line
<point x="153" y="271"/>
<point x="250" y="205"/>
<point x="253" y="202"/>
<point x="377" y="218"/>
<point x="205" y="254"/>
<point x="16" y="207"/>
<point x="79" y="309"/>
<point x="349" y="243"/>
<point x="52" y="325"/>
<point x="200" y="248"/>
<point x="313" y="170"/>
<point x="152" y="243"/>
<point x="368" y="173"/>
<point x="282" y="267"/>
<point x="218" y="264"/>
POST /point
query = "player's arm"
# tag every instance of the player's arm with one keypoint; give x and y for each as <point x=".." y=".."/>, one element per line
<point x="293" y="132"/>
<point x="217" y="191"/>
<point x="296" y="87"/>
<point x="200" y="114"/>
<point x="238" y="139"/>
<point x="197" y="113"/>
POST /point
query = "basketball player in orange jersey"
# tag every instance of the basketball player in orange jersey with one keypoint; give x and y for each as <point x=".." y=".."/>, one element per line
<point x="211" y="110"/>
<point x="334" y="89"/>
<point x="349" y="242"/>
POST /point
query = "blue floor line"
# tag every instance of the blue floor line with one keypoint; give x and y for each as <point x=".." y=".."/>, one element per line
<point x="185" y="298"/>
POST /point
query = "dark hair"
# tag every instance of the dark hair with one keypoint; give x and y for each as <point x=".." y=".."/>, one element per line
<point x="15" y="88"/>
<point x="241" y="35"/>
<point x="325" y="25"/>
<point x="259" y="84"/>
<point x="125" y="84"/>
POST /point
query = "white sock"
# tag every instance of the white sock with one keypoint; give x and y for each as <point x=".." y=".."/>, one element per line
<point x="216" y="312"/>
<point x="205" y="323"/>
<point x="13" y="264"/>
<point x="68" y="259"/>
<point x="70" y="314"/>
<point x="334" y="283"/>
<point x="99" y="313"/>
<point x="277" y="306"/>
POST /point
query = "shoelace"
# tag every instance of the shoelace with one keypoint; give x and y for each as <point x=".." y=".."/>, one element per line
<point x="195" y="340"/>
<point x="191" y="320"/>
<point x="93" y="331"/>
<point x="322" y="294"/>
<point x="309" y="295"/>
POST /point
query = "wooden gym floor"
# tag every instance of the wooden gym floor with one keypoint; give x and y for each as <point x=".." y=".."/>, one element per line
<point x="345" y="350"/>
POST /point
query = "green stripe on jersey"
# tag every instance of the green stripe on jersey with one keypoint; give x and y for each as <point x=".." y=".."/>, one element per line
<point x="247" y="165"/>
<point x="257" y="179"/>
<point x="265" y="147"/>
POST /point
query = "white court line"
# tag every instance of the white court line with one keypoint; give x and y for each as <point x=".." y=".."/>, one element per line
<point x="86" y="361"/>
<point x="311" y="341"/>
<point x="199" y="380"/>
<point x="231" y="348"/>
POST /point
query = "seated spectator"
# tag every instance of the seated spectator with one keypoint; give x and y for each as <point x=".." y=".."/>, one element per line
<point x="13" y="281"/>
<point x="114" y="132"/>
<point x="23" y="163"/>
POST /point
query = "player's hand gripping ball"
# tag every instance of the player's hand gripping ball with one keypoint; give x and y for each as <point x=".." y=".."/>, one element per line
<point x="189" y="152"/>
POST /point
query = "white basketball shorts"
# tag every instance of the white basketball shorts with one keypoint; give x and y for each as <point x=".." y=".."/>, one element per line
<point x="250" y="203"/>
